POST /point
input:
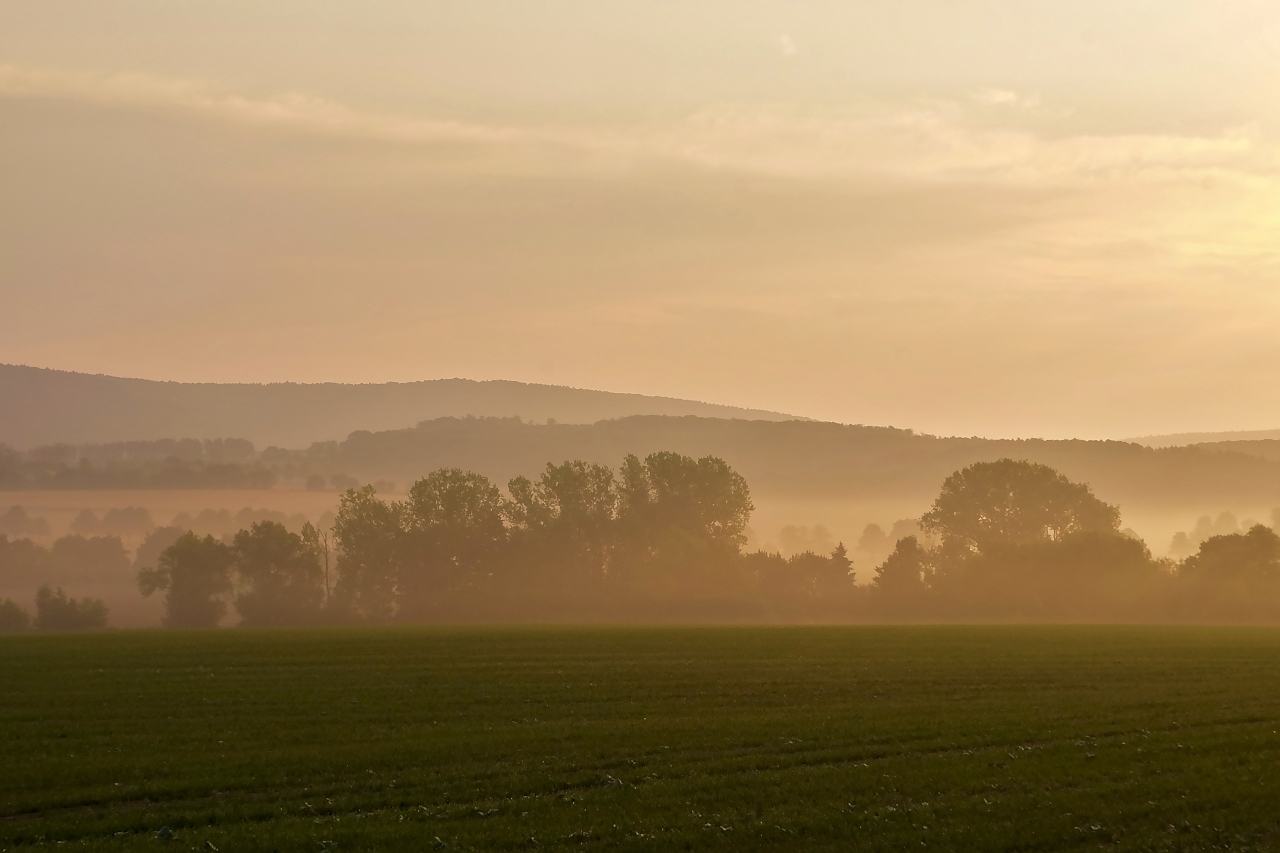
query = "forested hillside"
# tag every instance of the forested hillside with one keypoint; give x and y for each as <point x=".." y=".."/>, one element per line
<point x="41" y="407"/>
<point x="806" y="459"/>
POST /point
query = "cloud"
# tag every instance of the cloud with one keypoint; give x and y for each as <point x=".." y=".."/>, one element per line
<point x="1004" y="98"/>
<point x="931" y="142"/>
<point x="292" y="110"/>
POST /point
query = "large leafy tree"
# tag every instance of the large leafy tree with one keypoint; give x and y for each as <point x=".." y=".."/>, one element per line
<point x="676" y="509"/>
<point x="195" y="575"/>
<point x="281" y="580"/>
<point x="562" y="522"/>
<point x="990" y="504"/>
<point x="454" y="532"/>
<point x="368" y="532"/>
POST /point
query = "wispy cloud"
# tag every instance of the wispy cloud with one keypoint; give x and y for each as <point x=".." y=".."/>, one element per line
<point x="937" y="141"/>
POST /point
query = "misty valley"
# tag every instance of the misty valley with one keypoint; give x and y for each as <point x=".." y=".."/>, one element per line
<point x="732" y="425"/>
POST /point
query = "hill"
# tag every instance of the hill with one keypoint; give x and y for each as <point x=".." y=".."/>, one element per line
<point x="1267" y="448"/>
<point x="1184" y="438"/>
<point x="43" y="407"/>
<point x="809" y="459"/>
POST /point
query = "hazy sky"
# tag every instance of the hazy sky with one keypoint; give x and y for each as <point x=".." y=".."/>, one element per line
<point x="1004" y="218"/>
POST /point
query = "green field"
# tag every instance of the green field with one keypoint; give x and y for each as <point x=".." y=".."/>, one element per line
<point x="667" y="738"/>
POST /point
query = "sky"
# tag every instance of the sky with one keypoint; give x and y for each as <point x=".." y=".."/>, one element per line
<point x="998" y="218"/>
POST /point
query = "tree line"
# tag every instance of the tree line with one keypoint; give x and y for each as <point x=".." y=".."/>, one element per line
<point x="661" y="538"/>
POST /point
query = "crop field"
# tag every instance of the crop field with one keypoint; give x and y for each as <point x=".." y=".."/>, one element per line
<point x="867" y="738"/>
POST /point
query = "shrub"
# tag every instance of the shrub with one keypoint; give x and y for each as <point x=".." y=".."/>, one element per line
<point x="56" y="612"/>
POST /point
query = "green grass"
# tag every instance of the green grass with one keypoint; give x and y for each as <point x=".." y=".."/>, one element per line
<point x="871" y="738"/>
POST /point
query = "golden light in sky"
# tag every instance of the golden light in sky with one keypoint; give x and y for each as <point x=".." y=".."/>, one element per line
<point x="1003" y="218"/>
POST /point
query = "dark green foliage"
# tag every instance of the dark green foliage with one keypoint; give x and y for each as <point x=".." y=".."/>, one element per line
<point x="195" y="575"/>
<point x="869" y="739"/>
<point x="56" y="612"/>
<point x="13" y="617"/>
<point x="280" y="580"/>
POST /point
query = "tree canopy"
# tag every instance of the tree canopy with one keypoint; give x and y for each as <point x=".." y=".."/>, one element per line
<point x="1013" y="501"/>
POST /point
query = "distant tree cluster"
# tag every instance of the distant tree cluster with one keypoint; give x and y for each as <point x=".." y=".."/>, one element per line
<point x="666" y="531"/>
<point x="71" y="559"/>
<point x="659" y="538"/>
<point x="54" y="612"/>
<point x="1186" y="543"/>
<point x="64" y="467"/>
<point x="127" y="521"/>
<point x="17" y="522"/>
<point x="1014" y="540"/>
<point x="272" y="576"/>
<point x="223" y="463"/>
<point x="663" y="538"/>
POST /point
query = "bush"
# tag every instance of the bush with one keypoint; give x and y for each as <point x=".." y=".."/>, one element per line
<point x="56" y="612"/>
<point x="12" y="617"/>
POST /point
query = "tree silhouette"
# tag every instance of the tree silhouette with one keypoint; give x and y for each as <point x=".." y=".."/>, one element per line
<point x="195" y="575"/>
<point x="454" y="531"/>
<point x="369" y="535"/>
<point x="12" y="617"/>
<point x="280" y="577"/>
<point x="56" y="612"/>
<point x="562" y="524"/>
<point x="1245" y="556"/>
<point x="1012" y="501"/>
<point x="903" y="571"/>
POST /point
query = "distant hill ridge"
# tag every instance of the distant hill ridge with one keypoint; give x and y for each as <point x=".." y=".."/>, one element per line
<point x="39" y="406"/>
<point x="812" y="459"/>
<point x="1181" y="439"/>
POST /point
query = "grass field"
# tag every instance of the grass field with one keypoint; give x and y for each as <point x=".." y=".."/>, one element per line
<point x="948" y="738"/>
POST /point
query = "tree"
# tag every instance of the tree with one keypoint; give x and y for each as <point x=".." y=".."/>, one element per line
<point x="1252" y="556"/>
<point x="369" y="533"/>
<point x="23" y="563"/>
<point x="95" y="558"/>
<point x="148" y="554"/>
<point x="675" y="506"/>
<point x="195" y="575"/>
<point x="56" y="612"/>
<point x="454" y="530"/>
<point x="316" y="540"/>
<point x="903" y="571"/>
<point x="566" y="519"/>
<point x="820" y="578"/>
<point x="12" y="617"/>
<point x="279" y="575"/>
<point x="1012" y="501"/>
<point x="16" y="522"/>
